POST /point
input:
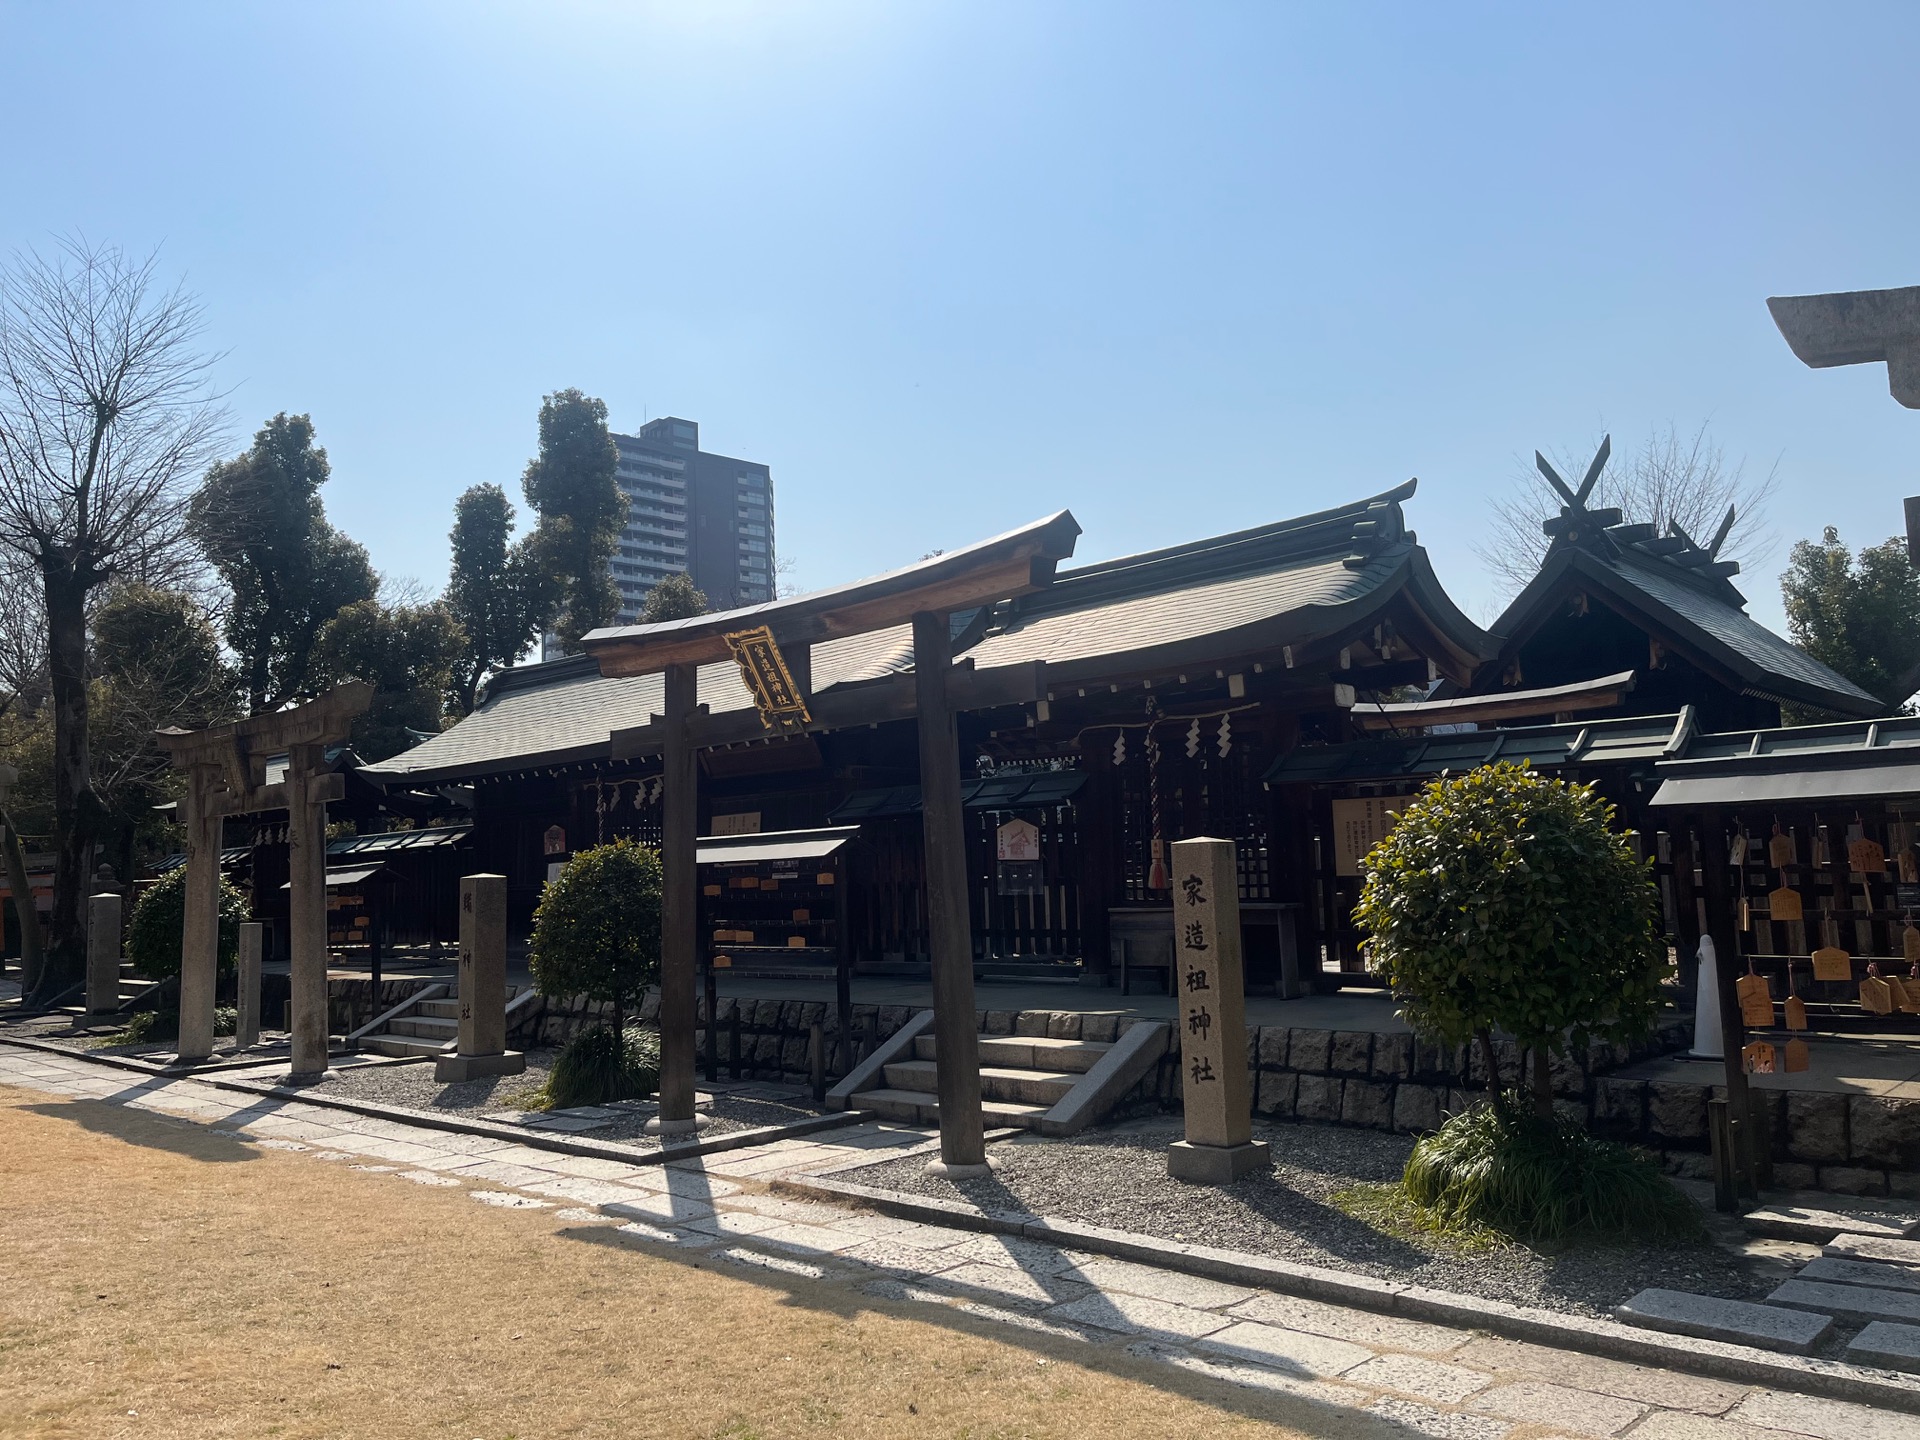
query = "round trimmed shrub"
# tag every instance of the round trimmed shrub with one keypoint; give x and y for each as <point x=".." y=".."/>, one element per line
<point x="153" y="935"/>
<point x="1504" y="901"/>
<point x="597" y="930"/>
<point x="603" y="1064"/>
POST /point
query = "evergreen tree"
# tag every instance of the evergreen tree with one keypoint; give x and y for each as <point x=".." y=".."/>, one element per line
<point x="1859" y="616"/>
<point x="496" y="592"/>
<point x="571" y="486"/>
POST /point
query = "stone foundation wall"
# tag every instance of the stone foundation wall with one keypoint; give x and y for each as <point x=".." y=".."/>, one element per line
<point x="1854" y="1144"/>
<point x="1851" y="1144"/>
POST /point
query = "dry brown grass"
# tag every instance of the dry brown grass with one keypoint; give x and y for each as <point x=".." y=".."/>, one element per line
<point x="162" y="1280"/>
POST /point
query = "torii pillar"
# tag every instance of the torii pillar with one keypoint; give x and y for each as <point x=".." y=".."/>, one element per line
<point x="226" y="768"/>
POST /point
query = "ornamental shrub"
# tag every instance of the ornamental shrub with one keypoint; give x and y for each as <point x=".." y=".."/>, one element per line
<point x="154" y="933"/>
<point x="1505" y="901"/>
<point x="597" y="930"/>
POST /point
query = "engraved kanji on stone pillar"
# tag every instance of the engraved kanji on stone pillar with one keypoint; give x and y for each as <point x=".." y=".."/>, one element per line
<point x="1210" y="994"/>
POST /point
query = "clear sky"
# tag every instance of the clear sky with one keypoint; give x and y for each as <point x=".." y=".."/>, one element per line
<point x="950" y="265"/>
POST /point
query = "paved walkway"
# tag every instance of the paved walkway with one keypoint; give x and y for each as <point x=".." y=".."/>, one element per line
<point x="1426" y="1379"/>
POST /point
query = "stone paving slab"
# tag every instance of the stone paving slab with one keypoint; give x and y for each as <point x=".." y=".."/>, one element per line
<point x="1885" y="1343"/>
<point x="1168" y="1285"/>
<point x="1362" y="1327"/>
<point x="1875" y="1247"/>
<point x="1576" y="1412"/>
<point x="1667" y="1388"/>
<point x="1422" y="1379"/>
<point x="1707" y="1317"/>
<point x="1313" y="1356"/>
<point x="1808" y="1222"/>
<point x="1838" y="1270"/>
<point x="1822" y="1418"/>
<point x="1848" y="1302"/>
<point x="1137" y="1315"/>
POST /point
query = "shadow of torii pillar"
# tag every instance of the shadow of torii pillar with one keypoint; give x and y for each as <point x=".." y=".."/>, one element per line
<point x="226" y="768"/>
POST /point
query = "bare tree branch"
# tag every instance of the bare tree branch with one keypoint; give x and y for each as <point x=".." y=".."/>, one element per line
<point x="1671" y="479"/>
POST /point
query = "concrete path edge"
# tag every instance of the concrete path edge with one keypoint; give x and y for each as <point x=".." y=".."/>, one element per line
<point x="1834" y="1379"/>
<point x="464" y="1125"/>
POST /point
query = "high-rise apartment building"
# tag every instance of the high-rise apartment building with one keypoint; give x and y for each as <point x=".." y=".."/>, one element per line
<point x="710" y="516"/>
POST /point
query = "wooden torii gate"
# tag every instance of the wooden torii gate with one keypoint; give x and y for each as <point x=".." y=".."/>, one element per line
<point x="772" y="645"/>
<point x="226" y="775"/>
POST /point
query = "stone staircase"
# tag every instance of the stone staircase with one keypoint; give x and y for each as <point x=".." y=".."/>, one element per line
<point x="426" y="1028"/>
<point x="1031" y="1082"/>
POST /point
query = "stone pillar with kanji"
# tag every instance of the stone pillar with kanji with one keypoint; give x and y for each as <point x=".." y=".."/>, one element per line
<point x="1210" y="996"/>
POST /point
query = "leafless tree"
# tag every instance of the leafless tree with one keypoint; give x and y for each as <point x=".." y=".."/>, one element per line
<point x="1671" y="479"/>
<point x="106" y="414"/>
<point x="23" y="636"/>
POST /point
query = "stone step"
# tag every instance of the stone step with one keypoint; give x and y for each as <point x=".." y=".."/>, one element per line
<point x="1834" y="1270"/>
<point x="1853" y="1303"/>
<point x="1029" y="1052"/>
<point x="404" y="1045"/>
<point x="1883" y="1343"/>
<point x="439" y="1009"/>
<point x="1020" y="1087"/>
<point x="1806" y="1222"/>
<point x="1876" y="1247"/>
<point x="920" y="1107"/>
<point x="423" y="1026"/>
<point x="1738" y="1322"/>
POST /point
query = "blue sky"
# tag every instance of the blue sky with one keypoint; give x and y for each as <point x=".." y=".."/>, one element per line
<point x="949" y="266"/>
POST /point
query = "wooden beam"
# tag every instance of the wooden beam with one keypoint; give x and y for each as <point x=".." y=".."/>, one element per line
<point x="843" y="709"/>
<point x="1008" y="565"/>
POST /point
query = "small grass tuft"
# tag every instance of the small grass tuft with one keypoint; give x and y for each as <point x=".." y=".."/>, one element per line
<point x="1391" y="1211"/>
<point x="598" y="1065"/>
<point x="1540" y="1179"/>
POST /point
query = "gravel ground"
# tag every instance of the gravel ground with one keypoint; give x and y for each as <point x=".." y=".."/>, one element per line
<point x="1118" y="1178"/>
<point x="503" y="1097"/>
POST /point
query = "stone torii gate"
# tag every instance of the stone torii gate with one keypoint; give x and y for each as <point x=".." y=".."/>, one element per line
<point x="226" y="775"/>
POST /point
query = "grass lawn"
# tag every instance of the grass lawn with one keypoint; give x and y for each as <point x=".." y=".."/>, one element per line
<point x="163" y="1280"/>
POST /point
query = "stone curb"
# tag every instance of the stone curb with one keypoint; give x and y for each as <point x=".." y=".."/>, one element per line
<point x="488" y="1129"/>
<point x="1833" y="1379"/>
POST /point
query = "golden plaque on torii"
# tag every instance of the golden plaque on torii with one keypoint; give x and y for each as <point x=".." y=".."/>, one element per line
<point x="764" y="670"/>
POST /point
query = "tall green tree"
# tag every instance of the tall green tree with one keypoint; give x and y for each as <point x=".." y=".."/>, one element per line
<point x="1858" y="615"/>
<point x="498" y="591"/>
<point x="106" y="413"/>
<point x="407" y="653"/>
<point x="571" y="487"/>
<point x="674" y="598"/>
<point x="260" y="521"/>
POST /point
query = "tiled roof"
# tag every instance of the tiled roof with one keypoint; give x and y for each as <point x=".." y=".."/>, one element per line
<point x="1731" y="626"/>
<point x="565" y="710"/>
<point x="1276" y="584"/>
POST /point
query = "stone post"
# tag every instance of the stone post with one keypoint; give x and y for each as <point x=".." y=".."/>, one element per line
<point x="481" y="1048"/>
<point x="103" y="954"/>
<point x="200" y="926"/>
<point x="1210" y="996"/>
<point x="246" y="1027"/>
<point x="307" y="908"/>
